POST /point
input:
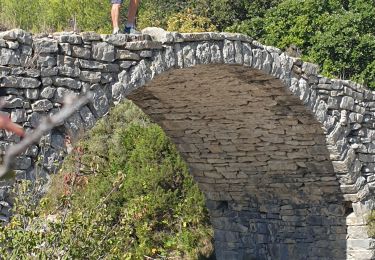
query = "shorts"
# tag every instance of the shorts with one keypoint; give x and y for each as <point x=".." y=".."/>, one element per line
<point x="116" y="1"/>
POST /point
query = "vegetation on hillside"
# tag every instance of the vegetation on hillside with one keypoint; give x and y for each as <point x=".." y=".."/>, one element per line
<point x="124" y="193"/>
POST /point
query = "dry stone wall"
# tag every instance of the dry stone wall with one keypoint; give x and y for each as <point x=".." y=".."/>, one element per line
<point x="284" y="156"/>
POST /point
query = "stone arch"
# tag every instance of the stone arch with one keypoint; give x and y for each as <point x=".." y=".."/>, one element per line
<point x="334" y="115"/>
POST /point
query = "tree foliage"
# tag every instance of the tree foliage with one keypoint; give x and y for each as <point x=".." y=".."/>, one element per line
<point x="187" y="21"/>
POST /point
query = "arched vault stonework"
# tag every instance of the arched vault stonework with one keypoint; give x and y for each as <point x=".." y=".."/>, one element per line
<point x="284" y="156"/>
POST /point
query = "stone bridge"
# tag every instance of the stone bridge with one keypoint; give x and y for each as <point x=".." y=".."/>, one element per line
<point x="284" y="156"/>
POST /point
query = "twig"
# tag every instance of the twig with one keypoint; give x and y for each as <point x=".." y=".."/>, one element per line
<point x="46" y="125"/>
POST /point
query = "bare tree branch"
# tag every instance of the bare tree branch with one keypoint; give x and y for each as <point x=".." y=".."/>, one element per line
<point x="46" y="125"/>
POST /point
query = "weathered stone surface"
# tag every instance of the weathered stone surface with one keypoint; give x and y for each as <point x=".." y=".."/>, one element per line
<point x="103" y="51"/>
<point x="142" y="45"/>
<point x="13" y="102"/>
<point x="68" y="82"/>
<point x="9" y="57"/>
<point x="127" y="55"/>
<point x="90" y="76"/>
<point x="71" y="38"/>
<point x="81" y="52"/>
<point x="279" y="151"/>
<point x="18" y="115"/>
<point x="45" y="45"/>
<point x="42" y="105"/>
<point x="90" y="36"/>
<point x="32" y="94"/>
<point x="20" y="82"/>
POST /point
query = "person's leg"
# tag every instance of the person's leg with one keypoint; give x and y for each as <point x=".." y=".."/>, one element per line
<point x="132" y="12"/>
<point x="115" y="13"/>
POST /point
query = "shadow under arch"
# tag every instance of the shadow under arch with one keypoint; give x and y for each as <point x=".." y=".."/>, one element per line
<point x="259" y="156"/>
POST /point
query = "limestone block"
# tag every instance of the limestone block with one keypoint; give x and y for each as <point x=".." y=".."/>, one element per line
<point x="65" y="48"/>
<point x="127" y="64"/>
<point x="216" y="53"/>
<point x="199" y="36"/>
<point x="118" y="39"/>
<point x="148" y="53"/>
<point x="45" y="45"/>
<point x="74" y="126"/>
<point x="87" y="117"/>
<point x="347" y="103"/>
<point x="143" y="45"/>
<point x="42" y="105"/>
<point x="4" y="71"/>
<point x="262" y="60"/>
<point x="90" y="64"/>
<point x="203" y="53"/>
<point x="22" y="162"/>
<point x="32" y="151"/>
<point x="69" y="71"/>
<point x="103" y="51"/>
<point x="9" y="57"/>
<point x="47" y="81"/>
<point x="20" y="82"/>
<point x="13" y="102"/>
<point x="238" y="56"/>
<point x="169" y="57"/>
<point x="229" y="52"/>
<point x="18" y="115"/>
<point x="46" y="60"/>
<point x="127" y="55"/>
<point x="90" y="76"/>
<point x="111" y="67"/>
<point x="34" y="119"/>
<point x="12" y="45"/>
<point x="81" y="52"/>
<point x="3" y="43"/>
<point x="67" y="82"/>
<point x="160" y="35"/>
<point x="90" y="36"/>
<point x="189" y="54"/>
<point x="17" y="34"/>
<point x="100" y="104"/>
<point x="70" y="38"/>
<point x="139" y="75"/>
<point x="48" y="72"/>
<point x="236" y="37"/>
<point x="106" y="78"/>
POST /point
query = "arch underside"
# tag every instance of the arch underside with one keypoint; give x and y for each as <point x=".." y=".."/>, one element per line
<point x="259" y="157"/>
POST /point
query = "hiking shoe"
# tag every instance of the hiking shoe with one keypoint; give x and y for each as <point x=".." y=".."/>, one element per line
<point x="115" y="31"/>
<point x="131" y="30"/>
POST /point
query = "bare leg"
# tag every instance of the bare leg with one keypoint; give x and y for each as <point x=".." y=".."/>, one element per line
<point x="132" y="12"/>
<point x="115" y="13"/>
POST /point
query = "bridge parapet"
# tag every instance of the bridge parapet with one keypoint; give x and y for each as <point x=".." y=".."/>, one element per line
<point x="37" y="71"/>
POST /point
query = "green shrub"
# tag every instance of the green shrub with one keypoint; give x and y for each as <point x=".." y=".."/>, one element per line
<point x="187" y="21"/>
<point x="124" y="193"/>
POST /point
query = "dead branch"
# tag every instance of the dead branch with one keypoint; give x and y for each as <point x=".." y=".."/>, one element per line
<point x="46" y="125"/>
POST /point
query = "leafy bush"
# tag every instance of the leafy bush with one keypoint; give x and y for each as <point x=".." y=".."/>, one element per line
<point x="187" y="21"/>
<point x="124" y="193"/>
